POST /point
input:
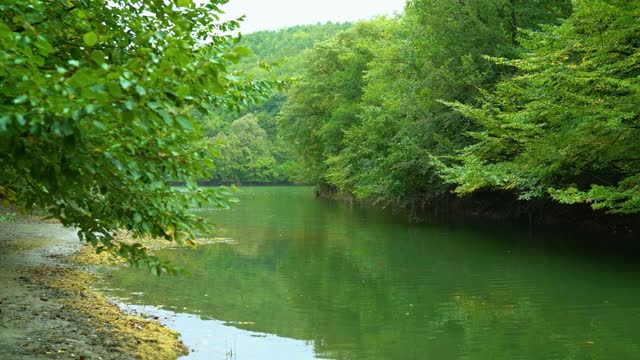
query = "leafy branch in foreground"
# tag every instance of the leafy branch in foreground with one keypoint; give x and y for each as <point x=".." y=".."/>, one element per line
<point x="99" y="108"/>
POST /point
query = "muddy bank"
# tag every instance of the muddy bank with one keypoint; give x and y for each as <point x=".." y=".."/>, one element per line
<point x="49" y="311"/>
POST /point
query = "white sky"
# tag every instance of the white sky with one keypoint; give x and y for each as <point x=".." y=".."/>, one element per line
<point x="276" y="14"/>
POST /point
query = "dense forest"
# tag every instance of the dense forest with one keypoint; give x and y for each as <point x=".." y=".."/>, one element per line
<point x="534" y="100"/>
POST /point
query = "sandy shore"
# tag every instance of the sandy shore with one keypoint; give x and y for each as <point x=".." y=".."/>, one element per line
<point x="49" y="311"/>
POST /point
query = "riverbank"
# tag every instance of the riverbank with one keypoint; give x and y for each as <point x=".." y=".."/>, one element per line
<point x="48" y="309"/>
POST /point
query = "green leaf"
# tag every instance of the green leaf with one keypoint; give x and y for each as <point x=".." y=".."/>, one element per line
<point x="183" y="91"/>
<point x="168" y="119"/>
<point x="20" y="99"/>
<point x="184" y="122"/>
<point x="124" y="83"/>
<point x="98" y="57"/>
<point x="92" y="238"/>
<point x="147" y="227"/>
<point x="140" y="90"/>
<point x="184" y="3"/>
<point x="90" y="38"/>
<point x="130" y="104"/>
<point x="43" y="46"/>
<point x="242" y="51"/>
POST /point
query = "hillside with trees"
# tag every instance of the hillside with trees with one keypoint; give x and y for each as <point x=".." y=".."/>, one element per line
<point x="252" y="148"/>
<point x="282" y="51"/>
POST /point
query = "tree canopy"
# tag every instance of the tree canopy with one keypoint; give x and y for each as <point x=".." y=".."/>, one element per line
<point x="324" y="103"/>
<point x="99" y="102"/>
<point x="436" y="51"/>
<point x="535" y="98"/>
<point x="567" y="125"/>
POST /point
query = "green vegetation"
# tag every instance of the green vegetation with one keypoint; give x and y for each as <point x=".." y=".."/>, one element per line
<point x="568" y="125"/>
<point x="99" y="109"/>
<point x="253" y="149"/>
<point x="10" y="217"/>
<point x="533" y="98"/>
<point x="282" y="50"/>
<point x="247" y="154"/>
<point x="103" y="104"/>
<point x="324" y="104"/>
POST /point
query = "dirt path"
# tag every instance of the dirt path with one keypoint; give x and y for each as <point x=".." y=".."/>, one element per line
<point x="48" y="311"/>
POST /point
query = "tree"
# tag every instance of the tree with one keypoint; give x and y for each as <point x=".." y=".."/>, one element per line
<point x="324" y="103"/>
<point x="93" y="113"/>
<point x="283" y="49"/>
<point x="436" y="51"/>
<point x="246" y="153"/>
<point x="566" y="127"/>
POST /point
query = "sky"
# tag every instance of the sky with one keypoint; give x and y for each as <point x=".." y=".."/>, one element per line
<point x="277" y="14"/>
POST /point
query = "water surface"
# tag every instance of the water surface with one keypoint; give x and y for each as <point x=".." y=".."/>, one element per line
<point x="306" y="278"/>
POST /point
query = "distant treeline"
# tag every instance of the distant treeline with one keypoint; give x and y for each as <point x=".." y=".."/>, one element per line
<point x="252" y="148"/>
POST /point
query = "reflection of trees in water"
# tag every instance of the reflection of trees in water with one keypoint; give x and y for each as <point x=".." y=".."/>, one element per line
<point x="523" y="329"/>
<point x="360" y="287"/>
<point x="353" y="305"/>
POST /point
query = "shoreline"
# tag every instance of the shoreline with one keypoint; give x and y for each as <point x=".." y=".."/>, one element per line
<point x="498" y="208"/>
<point x="50" y="311"/>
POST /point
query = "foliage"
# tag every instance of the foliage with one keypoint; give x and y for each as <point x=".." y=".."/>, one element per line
<point x="279" y="53"/>
<point x="246" y="153"/>
<point x="8" y="217"/>
<point x="276" y="55"/>
<point x="369" y="119"/>
<point x="97" y="104"/>
<point x="324" y="103"/>
<point x="566" y="126"/>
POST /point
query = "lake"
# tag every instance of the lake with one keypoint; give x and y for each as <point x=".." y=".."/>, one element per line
<point x="307" y="278"/>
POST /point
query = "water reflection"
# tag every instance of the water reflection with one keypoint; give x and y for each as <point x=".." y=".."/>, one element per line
<point x="212" y="339"/>
<point x="352" y="283"/>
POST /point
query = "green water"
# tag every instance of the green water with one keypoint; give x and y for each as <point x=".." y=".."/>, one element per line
<point x="309" y="278"/>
